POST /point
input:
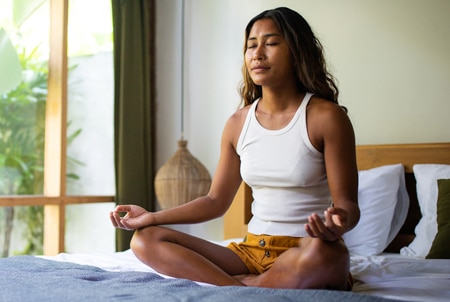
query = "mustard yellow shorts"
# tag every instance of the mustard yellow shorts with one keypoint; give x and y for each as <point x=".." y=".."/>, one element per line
<point x="259" y="252"/>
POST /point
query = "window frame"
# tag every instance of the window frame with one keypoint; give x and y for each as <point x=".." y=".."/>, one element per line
<point x="54" y="198"/>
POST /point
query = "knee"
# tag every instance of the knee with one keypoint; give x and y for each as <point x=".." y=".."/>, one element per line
<point x="145" y="238"/>
<point x="330" y="259"/>
<point x="328" y="252"/>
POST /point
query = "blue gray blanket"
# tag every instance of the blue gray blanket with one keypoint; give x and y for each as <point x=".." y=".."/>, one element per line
<point x="27" y="278"/>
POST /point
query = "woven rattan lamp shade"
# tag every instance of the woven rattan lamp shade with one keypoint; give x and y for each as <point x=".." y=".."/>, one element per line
<point x="181" y="179"/>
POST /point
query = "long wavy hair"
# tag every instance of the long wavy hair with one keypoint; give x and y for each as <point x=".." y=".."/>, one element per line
<point x="306" y="53"/>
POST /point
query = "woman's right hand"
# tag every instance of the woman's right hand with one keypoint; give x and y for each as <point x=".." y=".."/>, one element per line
<point x="136" y="217"/>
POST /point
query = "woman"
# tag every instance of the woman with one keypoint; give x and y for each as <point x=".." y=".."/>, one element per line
<point x="294" y="145"/>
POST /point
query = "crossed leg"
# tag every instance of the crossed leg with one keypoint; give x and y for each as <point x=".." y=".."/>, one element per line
<point x="181" y="255"/>
<point x="314" y="264"/>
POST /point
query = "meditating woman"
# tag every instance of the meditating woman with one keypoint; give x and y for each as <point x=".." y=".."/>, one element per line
<point x="294" y="146"/>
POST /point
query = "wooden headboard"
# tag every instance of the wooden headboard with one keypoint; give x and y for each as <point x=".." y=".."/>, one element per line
<point x="367" y="156"/>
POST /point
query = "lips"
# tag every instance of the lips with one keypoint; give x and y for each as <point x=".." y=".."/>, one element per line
<point x="260" y="68"/>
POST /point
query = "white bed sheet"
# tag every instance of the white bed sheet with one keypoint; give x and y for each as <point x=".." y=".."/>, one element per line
<point x="388" y="275"/>
<point x="401" y="277"/>
<point x="114" y="262"/>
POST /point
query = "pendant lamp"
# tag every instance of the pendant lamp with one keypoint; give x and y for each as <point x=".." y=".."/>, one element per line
<point x="183" y="177"/>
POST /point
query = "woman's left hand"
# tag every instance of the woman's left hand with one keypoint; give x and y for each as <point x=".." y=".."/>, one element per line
<point x="331" y="229"/>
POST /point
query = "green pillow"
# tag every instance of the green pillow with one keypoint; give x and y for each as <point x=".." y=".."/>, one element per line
<point x="441" y="247"/>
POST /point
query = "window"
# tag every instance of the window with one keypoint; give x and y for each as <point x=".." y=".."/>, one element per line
<point x="56" y="152"/>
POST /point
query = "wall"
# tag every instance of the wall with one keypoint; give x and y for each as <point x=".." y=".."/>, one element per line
<point x="390" y="58"/>
<point x="90" y="108"/>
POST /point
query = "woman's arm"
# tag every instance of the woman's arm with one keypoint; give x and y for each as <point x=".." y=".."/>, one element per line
<point x="332" y="133"/>
<point x="224" y="186"/>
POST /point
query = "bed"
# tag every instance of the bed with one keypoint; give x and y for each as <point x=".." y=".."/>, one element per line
<point x="398" y="198"/>
<point x="390" y="250"/>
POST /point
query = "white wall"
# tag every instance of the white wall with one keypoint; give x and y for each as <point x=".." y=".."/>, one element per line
<point x="390" y="57"/>
<point x="90" y="108"/>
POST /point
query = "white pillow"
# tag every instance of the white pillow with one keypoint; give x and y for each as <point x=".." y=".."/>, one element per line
<point x="383" y="201"/>
<point x="401" y="208"/>
<point x="427" y="192"/>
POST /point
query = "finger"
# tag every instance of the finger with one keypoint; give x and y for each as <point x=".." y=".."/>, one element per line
<point x="122" y="208"/>
<point x="332" y="210"/>
<point x="113" y="219"/>
<point x="323" y="229"/>
<point x="338" y="221"/>
<point x="120" y="222"/>
<point x="309" y="231"/>
<point x="328" y="219"/>
<point x="314" y="224"/>
<point x="334" y="223"/>
<point x="311" y="227"/>
<point x="318" y="223"/>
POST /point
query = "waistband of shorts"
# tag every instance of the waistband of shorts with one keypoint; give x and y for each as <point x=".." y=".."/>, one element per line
<point x="272" y="241"/>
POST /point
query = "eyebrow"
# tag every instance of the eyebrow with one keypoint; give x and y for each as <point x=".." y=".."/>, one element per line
<point x="265" y="36"/>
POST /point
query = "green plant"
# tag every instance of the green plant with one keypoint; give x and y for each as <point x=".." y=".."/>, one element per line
<point x="22" y="131"/>
<point x="22" y="135"/>
<point x="23" y="95"/>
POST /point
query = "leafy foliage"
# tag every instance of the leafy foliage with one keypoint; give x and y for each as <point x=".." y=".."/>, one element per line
<point x="22" y="135"/>
<point x="22" y="138"/>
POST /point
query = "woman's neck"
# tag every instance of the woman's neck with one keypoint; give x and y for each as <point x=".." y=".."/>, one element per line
<point x="276" y="101"/>
<point x="274" y="112"/>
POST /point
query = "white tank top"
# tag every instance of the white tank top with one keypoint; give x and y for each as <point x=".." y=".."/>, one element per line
<point x="286" y="173"/>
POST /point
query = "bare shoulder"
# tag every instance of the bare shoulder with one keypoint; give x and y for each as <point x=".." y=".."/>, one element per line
<point x="321" y="108"/>
<point x="234" y="124"/>
<point x="327" y="120"/>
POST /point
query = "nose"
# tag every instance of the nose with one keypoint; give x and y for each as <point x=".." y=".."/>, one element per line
<point x="258" y="54"/>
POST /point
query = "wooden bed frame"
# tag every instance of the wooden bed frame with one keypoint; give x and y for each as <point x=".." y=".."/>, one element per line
<point x="368" y="156"/>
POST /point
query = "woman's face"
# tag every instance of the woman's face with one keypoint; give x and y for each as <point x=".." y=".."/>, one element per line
<point x="267" y="56"/>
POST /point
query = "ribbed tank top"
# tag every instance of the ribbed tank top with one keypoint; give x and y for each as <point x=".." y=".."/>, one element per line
<point x="286" y="173"/>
